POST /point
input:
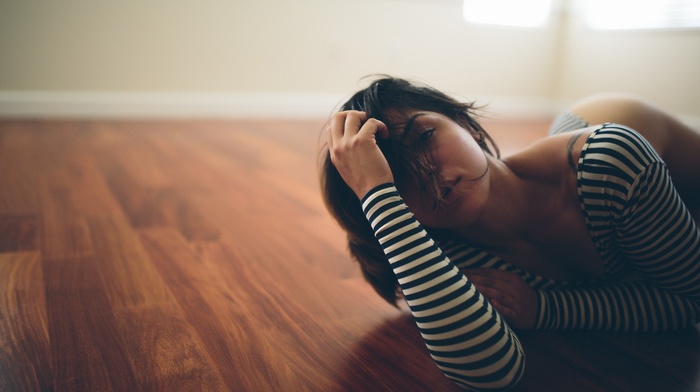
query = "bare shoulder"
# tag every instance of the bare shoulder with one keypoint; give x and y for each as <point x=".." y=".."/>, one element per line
<point x="551" y="156"/>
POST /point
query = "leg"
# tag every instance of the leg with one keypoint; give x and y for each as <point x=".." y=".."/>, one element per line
<point x="566" y="121"/>
<point x="677" y="144"/>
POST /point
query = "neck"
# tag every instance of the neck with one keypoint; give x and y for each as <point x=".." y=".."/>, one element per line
<point x="508" y="212"/>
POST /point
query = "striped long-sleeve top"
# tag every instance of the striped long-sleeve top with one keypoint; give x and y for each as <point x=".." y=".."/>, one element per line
<point x="638" y="223"/>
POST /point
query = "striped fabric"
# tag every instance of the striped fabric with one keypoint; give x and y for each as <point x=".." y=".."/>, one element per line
<point x="638" y="223"/>
<point x="466" y="337"/>
<point x="565" y="122"/>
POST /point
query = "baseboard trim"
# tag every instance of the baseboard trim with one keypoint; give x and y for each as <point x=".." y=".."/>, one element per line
<point x="42" y="104"/>
<point x="125" y="105"/>
<point x="67" y="104"/>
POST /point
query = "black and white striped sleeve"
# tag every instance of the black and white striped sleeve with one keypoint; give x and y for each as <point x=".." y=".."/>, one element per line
<point x="638" y="214"/>
<point x="469" y="341"/>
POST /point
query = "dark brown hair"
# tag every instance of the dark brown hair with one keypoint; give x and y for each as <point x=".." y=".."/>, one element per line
<point x="388" y="99"/>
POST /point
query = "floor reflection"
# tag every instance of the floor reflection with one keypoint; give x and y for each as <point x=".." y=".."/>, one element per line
<point x="610" y="361"/>
<point x="393" y="357"/>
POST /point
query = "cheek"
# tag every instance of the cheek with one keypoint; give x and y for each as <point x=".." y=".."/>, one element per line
<point x="419" y="205"/>
<point x="463" y="154"/>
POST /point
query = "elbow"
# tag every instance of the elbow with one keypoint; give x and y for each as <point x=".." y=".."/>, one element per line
<point x="502" y="379"/>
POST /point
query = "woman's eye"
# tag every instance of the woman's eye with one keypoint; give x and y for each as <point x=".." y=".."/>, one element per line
<point x="427" y="134"/>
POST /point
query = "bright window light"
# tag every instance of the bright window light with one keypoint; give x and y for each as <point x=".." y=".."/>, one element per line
<point x="641" y="14"/>
<point x="519" y="13"/>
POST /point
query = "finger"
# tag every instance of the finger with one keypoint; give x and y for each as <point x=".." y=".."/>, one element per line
<point x="492" y="274"/>
<point x="494" y="301"/>
<point x="482" y="271"/>
<point x="329" y="137"/>
<point x="505" y="311"/>
<point x="499" y="302"/>
<point x="487" y="292"/>
<point x="337" y="125"/>
<point x="494" y="292"/>
<point x="479" y="280"/>
<point x="376" y="127"/>
<point x="353" y="123"/>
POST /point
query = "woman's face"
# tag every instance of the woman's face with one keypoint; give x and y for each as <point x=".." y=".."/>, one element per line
<point x="458" y="158"/>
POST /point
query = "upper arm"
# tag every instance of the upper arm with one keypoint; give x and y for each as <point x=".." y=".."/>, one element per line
<point x="677" y="144"/>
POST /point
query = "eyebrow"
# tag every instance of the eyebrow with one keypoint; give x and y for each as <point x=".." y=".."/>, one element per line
<point x="408" y="126"/>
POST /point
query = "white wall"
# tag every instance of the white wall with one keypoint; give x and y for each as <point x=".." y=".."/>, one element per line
<point x="663" y="66"/>
<point x="254" y="56"/>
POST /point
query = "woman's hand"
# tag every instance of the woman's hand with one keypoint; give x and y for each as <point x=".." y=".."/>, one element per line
<point x="508" y="293"/>
<point x="352" y="143"/>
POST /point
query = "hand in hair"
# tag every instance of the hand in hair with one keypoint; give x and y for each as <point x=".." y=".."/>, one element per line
<point x="508" y="293"/>
<point x="352" y="142"/>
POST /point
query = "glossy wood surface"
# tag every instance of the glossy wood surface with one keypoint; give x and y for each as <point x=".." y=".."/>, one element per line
<point x="197" y="256"/>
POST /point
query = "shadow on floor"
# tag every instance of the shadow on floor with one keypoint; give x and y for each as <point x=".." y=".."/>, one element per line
<point x="393" y="357"/>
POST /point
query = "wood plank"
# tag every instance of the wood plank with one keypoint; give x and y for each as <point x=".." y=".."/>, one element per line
<point x="277" y="332"/>
<point x="18" y="233"/>
<point x="24" y="344"/>
<point x="197" y="255"/>
<point x="130" y="278"/>
<point x="82" y="220"/>
<point x="87" y="352"/>
<point x="198" y="291"/>
<point x="64" y="230"/>
<point x="395" y="341"/>
<point x="18" y="169"/>
<point x="163" y="351"/>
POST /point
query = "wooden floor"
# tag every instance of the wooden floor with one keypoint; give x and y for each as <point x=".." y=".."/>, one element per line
<point x="197" y="255"/>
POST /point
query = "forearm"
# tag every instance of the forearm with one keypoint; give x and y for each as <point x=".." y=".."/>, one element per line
<point x="466" y="337"/>
<point x="635" y="306"/>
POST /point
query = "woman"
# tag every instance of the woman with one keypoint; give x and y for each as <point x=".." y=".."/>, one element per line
<point x="584" y="229"/>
